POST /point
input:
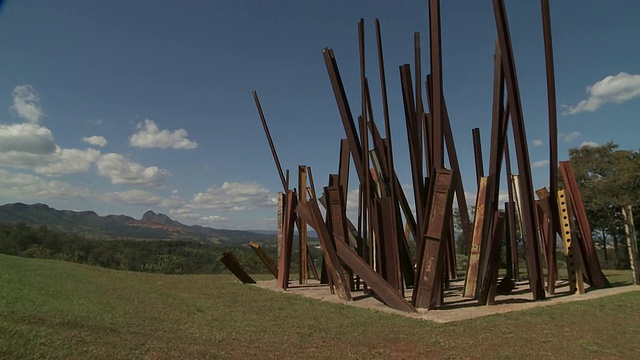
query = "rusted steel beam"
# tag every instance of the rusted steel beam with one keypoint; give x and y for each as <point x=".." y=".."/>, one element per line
<point x="265" y="258"/>
<point x="477" y="153"/>
<point x="553" y="121"/>
<point x="436" y="88"/>
<point x="475" y="256"/>
<point x="486" y="293"/>
<point x="312" y="215"/>
<point x="431" y="252"/>
<point x="571" y="248"/>
<point x="594" y="271"/>
<point x="280" y="235"/>
<point x="303" y="273"/>
<point x="288" y="222"/>
<point x="388" y="238"/>
<point x="632" y="243"/>
<point x="343" y="167"/>
<point x="548" y="236"/>
<point x="414" y="146"/>
<point x="522" y="151"/>
<point x="345" y="113"/>
<point x="230" y="261"/>
<point x="512" y="217"/>
<point x="455" y="166"/>
<point x="268" y="134"/>
<point x="377" y="284"/>
<point x="512" y="245"/>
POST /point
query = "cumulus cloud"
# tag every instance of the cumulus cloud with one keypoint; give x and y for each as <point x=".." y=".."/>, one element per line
<point x="539" y="164"/>
<point x="612" y="89"/>
<point x="68" y="161"/>
<point x="27" y="186"/>
<point x="122" y="170"/>
<point x="133" y="197"/>
<point x="233" y="196"/>
<point x="26" y="103"/>
<point x="537" y="142"/>
<point x="570" y="137"/>
<point x="589" y="144"/>
<point x="27" y="138"/>
<point x="95" y="140"/>
<point x="183" y="213"/>
<point x="149" y="136"/>
<point x="214" y="219"/>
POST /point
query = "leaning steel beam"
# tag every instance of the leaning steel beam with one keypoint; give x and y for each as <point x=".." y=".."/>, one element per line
<point x="303" y="273"/>
<point x="312" y="215"/>
<point x="345" y="113"/>
<point x="265" y="258"/>
<point x="431" y="252"/>
<point x="594" y="271"/>
<point x="475" y="255"/>
<point x="522" y="151"/>
<point x="273" y="149"/>
<point x="571" y="248"/>
<point x="230" y="261"/>
<point x="490" y="277"/>
<point x="477" y="153"/>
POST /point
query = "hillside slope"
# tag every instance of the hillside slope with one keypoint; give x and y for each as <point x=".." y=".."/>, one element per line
<point x="58" y="310"/>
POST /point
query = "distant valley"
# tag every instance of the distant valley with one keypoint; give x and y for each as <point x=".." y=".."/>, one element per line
<point x="152" y="226"/>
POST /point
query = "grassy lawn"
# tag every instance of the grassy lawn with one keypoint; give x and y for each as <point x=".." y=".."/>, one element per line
<point x="58" y="310"/>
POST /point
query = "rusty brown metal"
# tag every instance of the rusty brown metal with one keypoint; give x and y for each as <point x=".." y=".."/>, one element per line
<point x="475" y="255"/>
<point x="571" y="248"/>
<point x="487" y="289"/>
<point x="436" y="88"/>
<point x="268" y="134"/>
<point x="594" y="271"/>
<point x="632" y="243"/>
<point x="265" y="258"/>
<point x="303" y="273"/>
<point x="548" y="236"/>
<point x="522" y="151"/>
<point x="230" y="261"/>
<point x="288" y="222"/>
<point x="431" y="252"/>
<point x="477" y="153"/>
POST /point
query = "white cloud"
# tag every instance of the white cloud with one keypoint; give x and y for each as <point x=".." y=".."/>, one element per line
<point x="589" y="144"/>
<point x="26" y="103"/>
<point x="539" y="164"/>
<point x="175" y="201"/>
<point x="150" y="136"/>
<point x="95" y="140"/>
<point x="233" y="196"/>
<point x="68" y="161"/>
<point x="27" y="186"/>
<point x="133" y="197"/>
<point x="122" y="170"/>
<point x="612" y="89"/>
<point x="27" y="138"/>
<point x="183" y="213"/>
<point x="214" y="219"/>
<point x="570" y="137"/>
<point x="537" y="142"/>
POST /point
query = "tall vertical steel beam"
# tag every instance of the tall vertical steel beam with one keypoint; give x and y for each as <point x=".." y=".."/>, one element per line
<point x="477" y="153"/>
<point x="522" y="151"/>
<point x="436" y="73"/>
<point x="302" y="227"/>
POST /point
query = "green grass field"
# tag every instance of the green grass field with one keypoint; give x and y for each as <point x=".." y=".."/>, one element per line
<point x="58" y="310"/>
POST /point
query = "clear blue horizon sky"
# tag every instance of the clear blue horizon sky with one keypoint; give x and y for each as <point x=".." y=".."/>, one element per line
<point x="124" y="106"/>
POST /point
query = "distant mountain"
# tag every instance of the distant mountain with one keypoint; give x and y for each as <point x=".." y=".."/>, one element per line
<point x="150" y="226"/>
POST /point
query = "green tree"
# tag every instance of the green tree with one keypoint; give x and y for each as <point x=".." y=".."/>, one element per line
<point x="608" y="178"/>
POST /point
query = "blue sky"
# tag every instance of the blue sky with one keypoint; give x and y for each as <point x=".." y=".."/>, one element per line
<point x="124" y="106"/>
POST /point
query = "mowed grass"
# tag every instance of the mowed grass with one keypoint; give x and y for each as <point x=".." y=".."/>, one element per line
<point x="59" y="310"/>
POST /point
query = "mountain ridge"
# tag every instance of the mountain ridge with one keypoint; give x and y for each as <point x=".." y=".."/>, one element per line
<point x="151" y="225"/>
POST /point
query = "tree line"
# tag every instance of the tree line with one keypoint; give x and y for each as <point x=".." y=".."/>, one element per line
<point x="156" y="256"/>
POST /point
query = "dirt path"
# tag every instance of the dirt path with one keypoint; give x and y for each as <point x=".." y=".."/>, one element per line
<point x="456" y="308"/>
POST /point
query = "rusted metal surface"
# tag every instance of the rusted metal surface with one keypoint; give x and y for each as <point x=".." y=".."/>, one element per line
<point x="522" y="151"/>
<point x="285" y="187"/>
<point x="431" y="253"/>
<point x="265" y="258"/>
<point x="230" y="261"/>
<point x="632" y="243"/>
<point x="594" y="271"/>
<point x="312" y="215"/>
<point x="288" y="222"/>
<point x="303" y="273"/>
<point x="486" y="293"/>
<point x="571" y="248"/>
<point x="435" y="48"/>
<point x="475" y="255"/>
<point x="548" y="233"/>
<point x="477" y="153"/>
